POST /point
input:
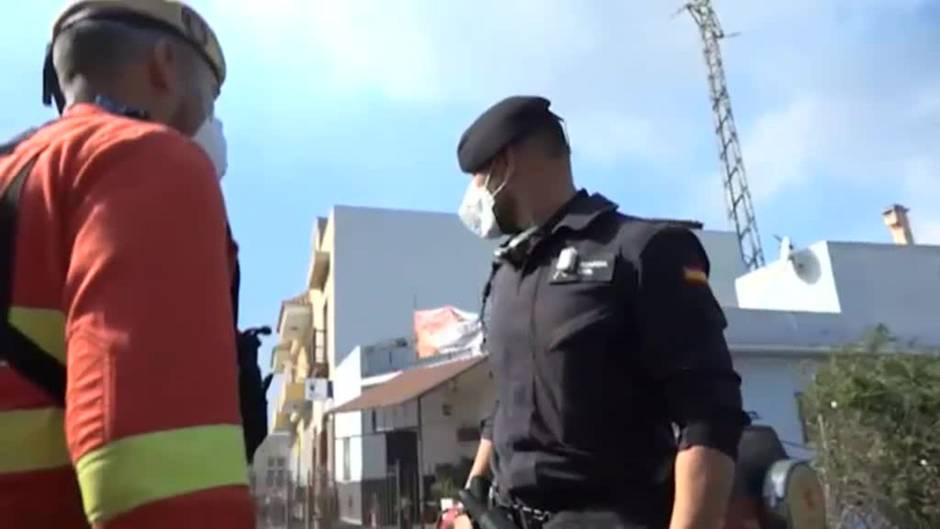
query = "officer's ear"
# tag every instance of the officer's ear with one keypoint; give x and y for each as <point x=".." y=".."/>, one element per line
<point x="504" y="165"/>
<point x="164" y="66"/>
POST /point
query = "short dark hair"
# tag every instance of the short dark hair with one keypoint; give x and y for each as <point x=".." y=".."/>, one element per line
<point x="99" y="49"/>
<point x="549" y="137"/>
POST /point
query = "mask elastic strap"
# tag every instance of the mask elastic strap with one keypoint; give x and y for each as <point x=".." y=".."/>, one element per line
<point x="486" y="183"/>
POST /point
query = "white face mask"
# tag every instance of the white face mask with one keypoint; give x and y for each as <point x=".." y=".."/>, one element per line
<point x="477" y="210"/>
<point x="211" y="138"/>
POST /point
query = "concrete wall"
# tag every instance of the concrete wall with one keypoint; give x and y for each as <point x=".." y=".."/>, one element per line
<point x="770" y="387"/>
<point x="469" y="400"/>
<point x="895" y="285"/>
<point x="788" y="329"/>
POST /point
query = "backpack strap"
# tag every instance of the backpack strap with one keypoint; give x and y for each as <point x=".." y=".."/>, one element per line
<point x="17" y="349"/>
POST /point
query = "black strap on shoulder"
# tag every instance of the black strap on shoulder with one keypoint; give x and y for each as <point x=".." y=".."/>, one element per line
<point x="487" y="290"/>
<point x="21" y="353"/>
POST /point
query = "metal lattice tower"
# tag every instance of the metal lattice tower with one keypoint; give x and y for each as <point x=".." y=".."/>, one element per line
<point x="737" y="195"/>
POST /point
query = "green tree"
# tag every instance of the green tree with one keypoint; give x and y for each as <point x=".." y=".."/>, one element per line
<point x="872" y="413"/>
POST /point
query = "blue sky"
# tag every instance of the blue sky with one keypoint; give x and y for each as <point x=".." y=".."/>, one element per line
<point x="361" y="102"/>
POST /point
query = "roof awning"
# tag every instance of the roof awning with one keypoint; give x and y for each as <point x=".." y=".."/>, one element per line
<point x="408" y="385"/>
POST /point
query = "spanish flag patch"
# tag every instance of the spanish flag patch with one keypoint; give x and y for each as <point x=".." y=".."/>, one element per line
<point x="695" y="275"/>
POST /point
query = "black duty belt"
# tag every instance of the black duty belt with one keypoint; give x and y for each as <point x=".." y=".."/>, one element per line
<point x="530" y="518"/>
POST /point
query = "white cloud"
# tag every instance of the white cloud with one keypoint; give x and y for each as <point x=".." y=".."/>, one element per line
<point x="844" y="90"/>
<point x="607" y="138"/>
<point x="604" y="65"/>
<point x="781" y="148"/>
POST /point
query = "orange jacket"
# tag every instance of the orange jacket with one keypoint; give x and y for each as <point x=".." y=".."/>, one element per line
<point x="120" y="272"/>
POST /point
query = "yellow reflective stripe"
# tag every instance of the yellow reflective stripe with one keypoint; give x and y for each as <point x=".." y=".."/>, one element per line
<point x="46" y="327"/>
<point x="138" y="470"/>
<point x="32" y="440"/>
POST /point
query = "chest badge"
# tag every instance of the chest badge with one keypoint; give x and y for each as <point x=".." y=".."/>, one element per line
<point x="566" y="267"/>
<point x="571" y="267"/>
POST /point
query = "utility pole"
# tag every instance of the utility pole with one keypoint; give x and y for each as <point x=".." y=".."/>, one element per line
<point x="740" y="208"/>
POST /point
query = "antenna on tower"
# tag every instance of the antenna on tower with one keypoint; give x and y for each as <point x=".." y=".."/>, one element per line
<point x="737" y="194"/>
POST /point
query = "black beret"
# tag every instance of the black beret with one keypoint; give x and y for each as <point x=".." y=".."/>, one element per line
<point x="499" y="126"/>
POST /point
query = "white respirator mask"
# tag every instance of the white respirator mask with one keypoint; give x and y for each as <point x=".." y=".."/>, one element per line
<point x="211" y="138"/>
<point x="477" y="210"/>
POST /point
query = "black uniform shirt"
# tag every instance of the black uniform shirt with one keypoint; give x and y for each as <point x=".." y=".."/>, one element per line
<point x="595" y="361"/>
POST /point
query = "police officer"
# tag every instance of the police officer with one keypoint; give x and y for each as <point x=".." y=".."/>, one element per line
<point x="603" y="336"/>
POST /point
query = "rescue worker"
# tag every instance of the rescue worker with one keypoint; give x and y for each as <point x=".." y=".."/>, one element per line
<point x="603" y="333"/>
<point x="116" y="264"/>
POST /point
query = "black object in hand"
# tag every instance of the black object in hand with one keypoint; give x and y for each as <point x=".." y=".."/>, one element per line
<point x="482" y="516"/>
<point x="479" y="486"/>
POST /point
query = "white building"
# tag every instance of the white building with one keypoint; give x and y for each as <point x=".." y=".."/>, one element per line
<point x="268" y="477"/>
<point x="375" y="267"/>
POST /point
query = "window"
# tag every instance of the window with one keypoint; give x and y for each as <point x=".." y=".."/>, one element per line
<point x="347" y="474"/>
<point x="271" y="461"/>
<point x="281" y="462"/>
<point x="280" y="478"/>
<point x="270" y="479"/>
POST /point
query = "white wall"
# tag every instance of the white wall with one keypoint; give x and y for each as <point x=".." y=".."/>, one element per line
<point x="347" y="385"/>
<point x="469" y="398"/>
<point x="769" y="387"/>
<point x="895" y="285"/>
<point x="355" y="459"/>
<point x="788" y="329"/>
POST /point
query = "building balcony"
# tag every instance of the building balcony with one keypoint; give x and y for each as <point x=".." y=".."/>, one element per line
<point x="319" y="270"/>
<point x="292" y="405"/>
<point x="292" y="396"/>
<point x="296" y="318"/>
<point x="281" y="357"/>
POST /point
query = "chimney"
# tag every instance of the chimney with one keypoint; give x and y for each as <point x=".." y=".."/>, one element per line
<point x="899" y="225"/>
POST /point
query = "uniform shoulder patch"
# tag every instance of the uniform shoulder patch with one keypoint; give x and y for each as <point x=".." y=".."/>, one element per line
<point x="695" y="275"/>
